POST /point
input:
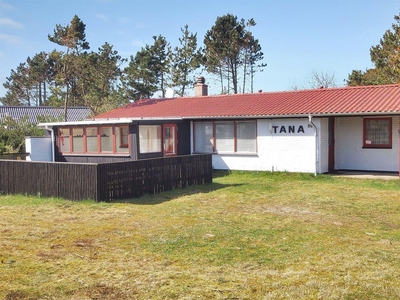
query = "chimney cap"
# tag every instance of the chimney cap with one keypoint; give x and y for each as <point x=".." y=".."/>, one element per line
<point x="201" y="79"/>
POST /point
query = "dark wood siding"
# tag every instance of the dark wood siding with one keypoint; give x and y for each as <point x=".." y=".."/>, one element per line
<point x="184" y="138"/>
<point x="91" y="158"/>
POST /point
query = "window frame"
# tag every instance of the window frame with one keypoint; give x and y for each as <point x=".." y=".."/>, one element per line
<point x="99" y="151"/>
<point x="121" y="136"/>
<point x="159" y="139"/>
<point x="235" y="137"/>
<point x="371" y="145"/>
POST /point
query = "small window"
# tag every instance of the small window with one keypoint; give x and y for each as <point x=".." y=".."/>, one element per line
<point x="64" y="140"/>
<point x="77" y="139"/>
<point x="377" y="133"/>
<point x="106" y="139"/>
<point x="91" y="139"/>
<point x="121" y="139"/>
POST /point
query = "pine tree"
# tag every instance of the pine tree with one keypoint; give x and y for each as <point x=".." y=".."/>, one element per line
<point x="184" y="61"/>
<point x="74" y="38"/>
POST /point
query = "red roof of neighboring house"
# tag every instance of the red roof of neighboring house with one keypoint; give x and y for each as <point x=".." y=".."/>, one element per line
<point x="366" y="100"/>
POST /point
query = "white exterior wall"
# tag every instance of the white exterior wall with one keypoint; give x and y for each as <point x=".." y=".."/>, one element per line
<point x="350" y="155"/>
<point x="39" y="148"/>
<point x="276" y="150"/>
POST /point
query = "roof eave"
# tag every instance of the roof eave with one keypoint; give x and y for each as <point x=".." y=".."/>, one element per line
<point x="85" y="122"/>
<point x="303" y="115"/>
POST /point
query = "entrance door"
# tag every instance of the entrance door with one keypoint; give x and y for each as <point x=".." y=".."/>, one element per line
<point x="170" y="139"/>
<point x="331" y="145"/>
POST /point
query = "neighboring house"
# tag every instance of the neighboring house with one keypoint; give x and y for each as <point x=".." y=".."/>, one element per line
<point x="74" y="113"/>
<point x="316" y="131"/>
<point x="40" y="147"/>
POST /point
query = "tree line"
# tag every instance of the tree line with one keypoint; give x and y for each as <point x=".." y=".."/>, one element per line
<point x="104" y="80"/>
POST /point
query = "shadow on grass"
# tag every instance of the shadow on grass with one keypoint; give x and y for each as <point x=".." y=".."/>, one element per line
<point x="221" y="173"/>
<point x="179" y="192"/>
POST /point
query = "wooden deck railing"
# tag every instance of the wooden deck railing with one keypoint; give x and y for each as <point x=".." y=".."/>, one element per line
<point x="104" y="182"/>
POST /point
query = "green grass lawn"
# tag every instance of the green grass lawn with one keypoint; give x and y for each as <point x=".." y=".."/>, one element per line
<point x="248" y="235"/>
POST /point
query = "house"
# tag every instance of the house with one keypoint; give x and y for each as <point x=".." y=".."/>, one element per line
<point x="37" y="147"/>
<point x="75" y="113"/>
<point x="315" y="131"/>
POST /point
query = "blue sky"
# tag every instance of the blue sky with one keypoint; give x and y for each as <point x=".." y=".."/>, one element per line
<point x="296" y="36"/>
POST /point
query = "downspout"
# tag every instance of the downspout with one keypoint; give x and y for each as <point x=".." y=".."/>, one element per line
<point x="52" y="142"/>
<point x="52" y="145"/>
<point x="311" y="124"/>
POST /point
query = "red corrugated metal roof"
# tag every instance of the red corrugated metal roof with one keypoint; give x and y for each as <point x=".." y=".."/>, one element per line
<point x="379" y="99"/>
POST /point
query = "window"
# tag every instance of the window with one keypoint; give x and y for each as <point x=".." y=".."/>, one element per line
<point x="93" y="140"/>
<point x="203" y="137"/>
<point x="106" y="139"/>
<point x="246" y="136"/>
<point x="77" y="139"/>
<point x="377" y="133"/>
<point x="226" y="136"/>
<point x="149" y="138"/>
<point x="121" y="139"/>
<point x="64" y="140"/>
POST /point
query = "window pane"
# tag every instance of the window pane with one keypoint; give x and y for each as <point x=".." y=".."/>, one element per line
<point x="121" y="139"/>
<point x="64" y="140"/>
<point x="203" y="137"/>
<point x="377" y="132"/>
<point x="149" y="138"/>
<point x="77" y="139"/>
<point x="246" y="140"/>
<point x="106" y="139"/>
<point x="224" y="137"/>
<point x="91" y="139"/>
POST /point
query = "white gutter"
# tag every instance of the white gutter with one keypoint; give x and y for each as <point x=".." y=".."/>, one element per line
<point x="310" y="122"/>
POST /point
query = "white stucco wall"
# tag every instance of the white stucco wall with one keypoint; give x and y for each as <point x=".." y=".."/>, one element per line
<point x="39" y="148"/>
<point x="276" y="150"/>
<point x="350" y="155"/>
<point x="295" y="152"/>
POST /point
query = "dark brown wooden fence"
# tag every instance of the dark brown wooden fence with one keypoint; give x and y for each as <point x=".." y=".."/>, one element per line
<point x="104" y="182"/>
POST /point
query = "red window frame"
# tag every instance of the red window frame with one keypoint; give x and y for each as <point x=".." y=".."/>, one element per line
<point x="121" y="137"/>
<point x="369" y="144"/>
<point x="60" y="139"/>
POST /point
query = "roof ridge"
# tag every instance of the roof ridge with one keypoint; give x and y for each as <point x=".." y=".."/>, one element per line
<point x="315" y="90"/>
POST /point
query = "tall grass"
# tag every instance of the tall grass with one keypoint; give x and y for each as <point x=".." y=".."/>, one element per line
<point x="248" y="235"/>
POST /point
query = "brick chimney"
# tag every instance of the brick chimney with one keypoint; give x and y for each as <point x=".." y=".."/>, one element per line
<point x="200" y="89"/>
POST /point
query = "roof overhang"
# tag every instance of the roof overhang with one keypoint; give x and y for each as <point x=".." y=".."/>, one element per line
<point x="86" y="122"/>
<point x="104" y="121"/>
<point x="285" y="116"/>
